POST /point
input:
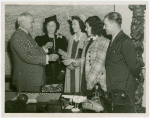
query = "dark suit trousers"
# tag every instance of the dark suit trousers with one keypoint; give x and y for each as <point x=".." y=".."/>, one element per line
<point x="129" y="86"/>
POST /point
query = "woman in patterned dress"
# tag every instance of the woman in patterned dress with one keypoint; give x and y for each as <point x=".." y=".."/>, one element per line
<point x="75" y="47"/>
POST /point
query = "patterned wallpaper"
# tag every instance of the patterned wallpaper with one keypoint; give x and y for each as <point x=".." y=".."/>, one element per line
<point x="40" y="12"/>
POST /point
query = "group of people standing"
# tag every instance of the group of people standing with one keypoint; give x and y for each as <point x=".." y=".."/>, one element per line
<point x="111" y="63"/>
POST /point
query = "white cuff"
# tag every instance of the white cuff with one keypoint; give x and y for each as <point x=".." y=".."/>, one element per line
<point x="63" y="71"/>
<point x="46" y="50"/>
<point x="47" y="59"/>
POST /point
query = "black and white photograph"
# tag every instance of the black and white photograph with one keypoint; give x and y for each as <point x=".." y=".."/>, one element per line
<point x="77" y="57"/>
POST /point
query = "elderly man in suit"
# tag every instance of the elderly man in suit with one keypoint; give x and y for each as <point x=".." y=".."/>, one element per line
<point x="122" y="66"/>
<point x="28" y="58"/>
<point x="93" y="56"/>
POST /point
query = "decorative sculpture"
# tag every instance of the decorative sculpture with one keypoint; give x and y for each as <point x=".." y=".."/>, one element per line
<point x="97" y="92"/>
<point x="137" y="34"/>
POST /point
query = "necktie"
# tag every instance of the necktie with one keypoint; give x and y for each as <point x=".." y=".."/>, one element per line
<point x="110" y="42"/>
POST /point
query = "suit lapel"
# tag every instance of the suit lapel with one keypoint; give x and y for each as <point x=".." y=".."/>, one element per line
<point x="116" y="38"/>
<point x="113" y="45"/>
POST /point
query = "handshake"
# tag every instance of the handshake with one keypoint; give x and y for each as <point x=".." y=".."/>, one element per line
<point x="53" y="57"/>
<point x="48" y="45"/>
<point x="72" y="63"/>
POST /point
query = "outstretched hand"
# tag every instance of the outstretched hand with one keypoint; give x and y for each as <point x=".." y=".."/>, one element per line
<point x="77" y="63"/>
<point x="48" y="45"/>
<point x="70" y="67"/>
<point x="53" y="57"/>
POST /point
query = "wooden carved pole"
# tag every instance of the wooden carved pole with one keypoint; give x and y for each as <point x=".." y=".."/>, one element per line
<point x="137" y="34"/>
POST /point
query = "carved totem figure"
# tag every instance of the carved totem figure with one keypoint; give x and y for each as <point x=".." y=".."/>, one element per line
<point x="137" y="34"/>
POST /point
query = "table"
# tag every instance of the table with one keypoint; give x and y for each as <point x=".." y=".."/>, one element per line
<point x="32" y="107"/>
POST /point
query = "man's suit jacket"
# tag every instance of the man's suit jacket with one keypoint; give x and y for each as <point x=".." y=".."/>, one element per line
<point x="95" y="62"/>
<point x="122" y="66"/>
<point x="28" y="59"/>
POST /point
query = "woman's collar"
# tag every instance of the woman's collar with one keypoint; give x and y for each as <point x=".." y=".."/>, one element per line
<point x="56" y="35"/>
<point x="94" y="37"/>
<point x="75" y="37"/>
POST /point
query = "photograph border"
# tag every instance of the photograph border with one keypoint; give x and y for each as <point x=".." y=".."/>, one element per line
<point x="73" y="114"/>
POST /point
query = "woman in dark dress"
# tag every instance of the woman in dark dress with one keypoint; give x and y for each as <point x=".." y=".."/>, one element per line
<point x="55" y="70"/>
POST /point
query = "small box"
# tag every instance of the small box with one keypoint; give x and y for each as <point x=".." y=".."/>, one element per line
<point x="52" y="88"/>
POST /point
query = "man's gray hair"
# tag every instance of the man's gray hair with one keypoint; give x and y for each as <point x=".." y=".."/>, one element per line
<point x="115" y="16"/>
<point x="23" y="17"/>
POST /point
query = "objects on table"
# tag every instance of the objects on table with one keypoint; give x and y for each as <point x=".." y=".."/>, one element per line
<point x="98" y="92"/>
<point x="52" y="88"/>
<point x="92" y="105"/>
<point x="85" y="103"/>
<point x="76" y="99"/>
<point x="23" y="98"/>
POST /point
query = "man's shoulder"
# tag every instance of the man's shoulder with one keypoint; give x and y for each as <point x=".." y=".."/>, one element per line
<point x="123" y="37"/>
<point x="17" y="37"/>
<point x="17" y="34"/>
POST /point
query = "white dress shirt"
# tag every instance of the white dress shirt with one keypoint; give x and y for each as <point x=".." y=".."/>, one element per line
<point x="24" y="30"/>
